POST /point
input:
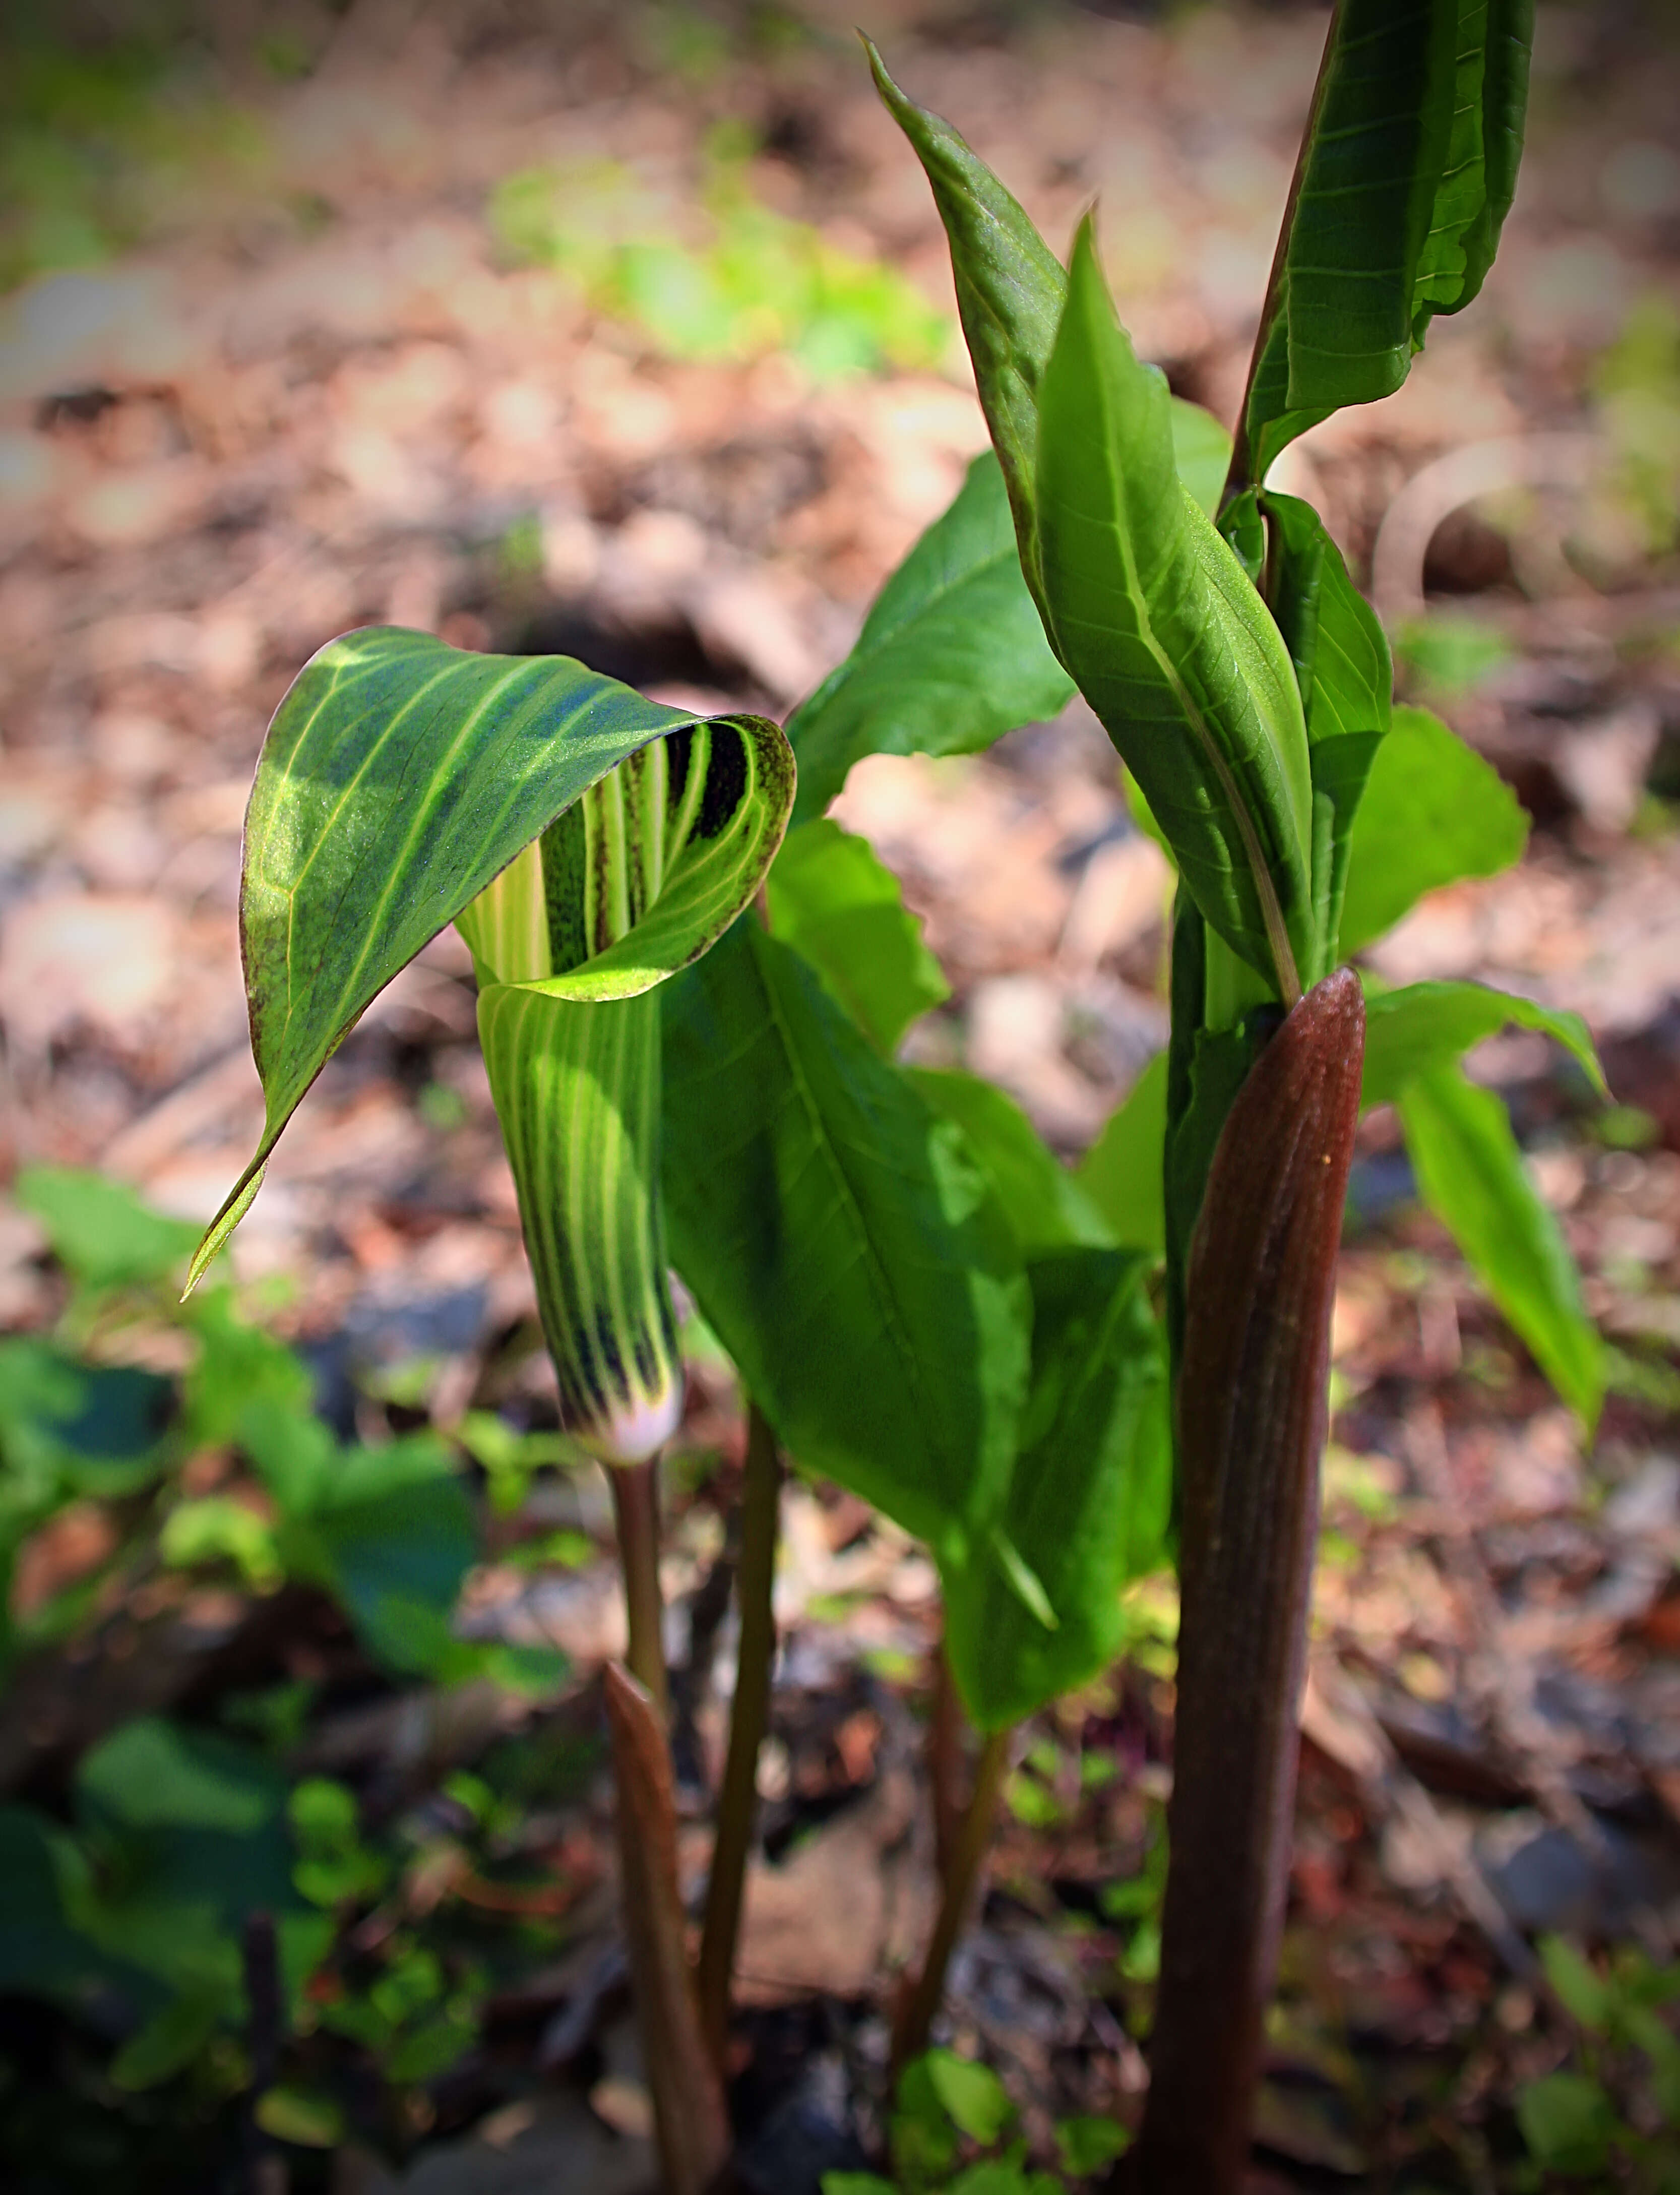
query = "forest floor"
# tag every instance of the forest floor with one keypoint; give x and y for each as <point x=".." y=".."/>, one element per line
<point x="347" y="373"/>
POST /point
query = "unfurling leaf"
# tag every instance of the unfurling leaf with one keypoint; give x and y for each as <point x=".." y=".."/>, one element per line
<point x="1345" y="675"/>
<point x="399" y="777"/>
<point x="1404" y="183"/>
<point x="1011" y="291"/>
<point x="1172" y="645"/>
<point x="1471" y="1175"/>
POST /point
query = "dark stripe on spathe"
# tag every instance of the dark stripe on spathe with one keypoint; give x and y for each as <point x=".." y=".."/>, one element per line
<point x="726" y="781"/>
<point x="679" y="754"/>
<point x="564" y="853"/>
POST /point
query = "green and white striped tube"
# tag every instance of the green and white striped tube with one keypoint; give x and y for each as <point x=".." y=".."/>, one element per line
<point x="576" y="1078"/>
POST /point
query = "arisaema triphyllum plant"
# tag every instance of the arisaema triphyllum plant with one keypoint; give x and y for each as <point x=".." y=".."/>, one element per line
<point x="1056" y="1379"/>
<point x="590" y="844"/>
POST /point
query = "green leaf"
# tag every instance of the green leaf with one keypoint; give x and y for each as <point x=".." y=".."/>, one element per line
<point x="1345" y="674"/>
<point x="855" y="2183"/>
<point x="172" y="2038"/>
<point x="100" y="1230"/>
<point x="974" y="2097"/>
<point x="1471" y="1175"/>
<point x="191" y="1829"/>
<point x="401" y="775"/>
<point x="1088" y="1498"/>
<point x="41" y="1871"/>
<point x="833" y="899"/>
<point x="1175" y="651"/>
<point x="1570" y="2122"/>
<point x="1405" y="181"/>
<point x="1201" y="450"/>
<point x="951" y="655"/>
<point x="922" y="2138"/>
<point x="1011" y="291"/>
<point x="1086" y="2144"/>
<point x="393" y="1536"/>
<point x="1433" y="811"/>
<point x="1121" y="1172"/>
<point x="301" y="2116"/>
<point x="827" y="1218"/>
<point x="152" y="1774"/>
<point x="1583" y="1992"/>
<point x="1425" y="1026"/>
<point x="1047" y="1206"/>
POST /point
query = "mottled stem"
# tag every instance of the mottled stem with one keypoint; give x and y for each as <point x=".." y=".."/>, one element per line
<point x="749" y="1718"/>
<point x="945" y="1760"/>
<point x="1251" y="1419"/>
<point x="690" y="2121"/>
<point x="636" y="1507"/>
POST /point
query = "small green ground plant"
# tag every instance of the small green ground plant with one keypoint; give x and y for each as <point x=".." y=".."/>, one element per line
<point x="693" y="987"/>
<point x="132" y="1914"/>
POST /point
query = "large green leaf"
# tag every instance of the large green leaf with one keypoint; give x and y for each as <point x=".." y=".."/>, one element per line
<point x="951" y="655"/>
<point x="842" y="1242"/>
<point x="1403" y="184"/>
<point x="1345" y="673"/>
<point x="1121" y="1172"/>
<point x="398" y="776"/>
<point x="1036" y="1608"/>
<point x="1433" y="811"/>
<point x="1046" y="1205"/>
<point x="831" y="897"/>
<point x="1470" y="1172"/>
<point x="1170" y="644"/>
<point x="1411" y="1032"/>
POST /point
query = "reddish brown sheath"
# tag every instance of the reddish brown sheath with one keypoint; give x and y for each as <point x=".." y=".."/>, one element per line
<point x="688" y="2110"/>
<point x="1251" y="1421"/>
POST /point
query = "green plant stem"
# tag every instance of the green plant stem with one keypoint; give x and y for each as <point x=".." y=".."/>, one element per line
<point x="635" y="1508"/>
<point x="690" y="2122"/>
<point x="738" y="1799"/>
<point x="945" y="1760"/>
<point x="918" y="2009"/>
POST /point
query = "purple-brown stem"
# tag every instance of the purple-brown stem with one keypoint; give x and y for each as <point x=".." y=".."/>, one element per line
<point x="919" y="2006"/>
<point x="946" y="1766"/>
<point x="749" y="1718"/>
<point x="636" y="1511"/>
<point x="690" y="2121"/>
<point x="1251" y="1422"/>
